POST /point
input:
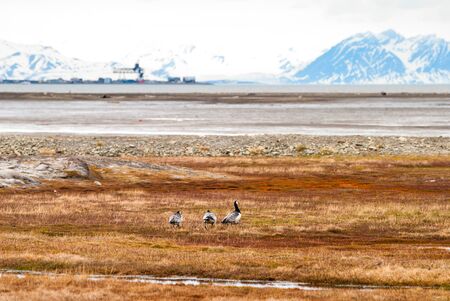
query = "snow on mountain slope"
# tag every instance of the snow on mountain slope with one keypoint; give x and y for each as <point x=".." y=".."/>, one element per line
<point x="214" y="65"/>
<point x="181" y="61"/>
<point x="383" y="58"/>
<point x="356" y="59"/>
<point x="34" y="62"/>
<point x="430" y="54"/>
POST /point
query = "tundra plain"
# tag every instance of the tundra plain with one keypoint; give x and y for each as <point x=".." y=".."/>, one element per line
<point x="335" y="222"/>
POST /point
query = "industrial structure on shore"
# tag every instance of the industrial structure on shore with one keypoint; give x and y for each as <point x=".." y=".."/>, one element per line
<point x="138" y="70"/>
<point x="123" y="78"/>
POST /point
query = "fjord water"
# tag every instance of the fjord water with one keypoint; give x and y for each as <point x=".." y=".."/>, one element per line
<point x="362" y="116"/>
<point x="205" y="88"/>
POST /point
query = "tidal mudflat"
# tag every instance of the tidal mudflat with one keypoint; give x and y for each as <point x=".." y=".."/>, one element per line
<point x="412" y="115"/>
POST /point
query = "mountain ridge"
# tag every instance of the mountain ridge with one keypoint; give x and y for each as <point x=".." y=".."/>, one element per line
<point x="387" y="57"/>
<point x="363" y="58"/>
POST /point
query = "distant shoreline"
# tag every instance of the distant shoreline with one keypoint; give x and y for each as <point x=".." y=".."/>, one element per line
<point x="128" y="89"/>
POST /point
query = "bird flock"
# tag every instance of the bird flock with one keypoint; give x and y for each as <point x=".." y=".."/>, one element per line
<point x="209" y="218"/>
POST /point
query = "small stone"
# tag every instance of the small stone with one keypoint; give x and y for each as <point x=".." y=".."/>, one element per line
<point x="41" y="167"/>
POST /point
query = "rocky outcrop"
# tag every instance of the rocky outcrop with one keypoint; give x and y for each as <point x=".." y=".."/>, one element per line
<point x="30" y="171"/>
<point x="35" y="170"/>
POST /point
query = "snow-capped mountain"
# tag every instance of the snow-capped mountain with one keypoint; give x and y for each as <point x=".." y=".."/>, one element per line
<point x="364" y="58"/>
<point x="34" y="62"/>
<point x="210" y="65"/>
<point x="381" y="58"/>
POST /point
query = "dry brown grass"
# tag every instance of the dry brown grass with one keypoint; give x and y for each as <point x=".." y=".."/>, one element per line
<point x="379" y="220"/>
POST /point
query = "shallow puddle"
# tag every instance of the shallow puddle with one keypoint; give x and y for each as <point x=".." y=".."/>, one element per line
<point x="174" y="280"/>
<point x="209" y="281"/>
<point x="194" y="281"/>
<point x="437" y="248"/>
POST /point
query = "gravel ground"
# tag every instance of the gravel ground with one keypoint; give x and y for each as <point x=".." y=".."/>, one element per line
<point x="262" y="145"/>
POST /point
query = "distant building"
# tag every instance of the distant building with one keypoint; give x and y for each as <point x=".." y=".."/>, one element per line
<point x="104" y="80"/>
<point x="189" y="79"/>
<point x="76" y="80"/>
<point x="127" y="81"/>
<point x="173" y="79"/>
<point x="137" y="70"/>
<point x="56" y="81"/>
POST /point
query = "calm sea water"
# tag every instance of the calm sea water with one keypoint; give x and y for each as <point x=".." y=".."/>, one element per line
<point x="199" y="88"/>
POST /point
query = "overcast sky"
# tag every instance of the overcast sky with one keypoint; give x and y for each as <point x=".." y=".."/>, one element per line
<point x="105" y="30"/>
